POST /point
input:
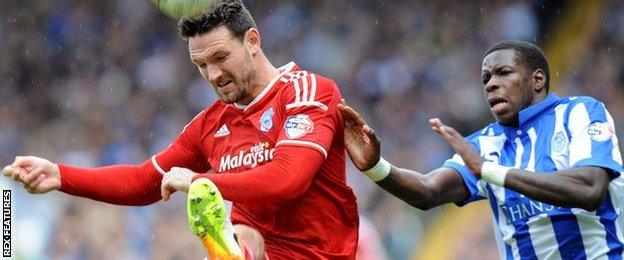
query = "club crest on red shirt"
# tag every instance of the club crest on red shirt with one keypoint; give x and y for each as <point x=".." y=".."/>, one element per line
<point x="266" y="120"/>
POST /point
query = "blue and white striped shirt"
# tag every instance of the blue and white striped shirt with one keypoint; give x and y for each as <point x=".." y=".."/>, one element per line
<point x="555" y="134"/>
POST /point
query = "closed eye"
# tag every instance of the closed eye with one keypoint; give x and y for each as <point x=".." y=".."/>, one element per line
<point x="221" y="58"/>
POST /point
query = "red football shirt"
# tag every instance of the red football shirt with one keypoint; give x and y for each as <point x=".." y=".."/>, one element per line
<point x="297" y="108"/>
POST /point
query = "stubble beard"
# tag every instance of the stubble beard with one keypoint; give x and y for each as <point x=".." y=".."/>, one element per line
<point x="243" y="94"/>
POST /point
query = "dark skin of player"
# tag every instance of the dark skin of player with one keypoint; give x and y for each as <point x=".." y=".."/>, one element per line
<point x="508" y="87"/>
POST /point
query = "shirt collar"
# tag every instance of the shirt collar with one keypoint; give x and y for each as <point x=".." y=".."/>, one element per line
<point x="534" y="111"/>
<point x="537" y="109"/>
<point x="291" y="66"/>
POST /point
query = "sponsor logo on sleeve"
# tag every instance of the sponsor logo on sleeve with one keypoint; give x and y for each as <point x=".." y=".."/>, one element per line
<point x="298" y="125"/>
<point x="600" y="131"/>
<point x="266" y="120"/>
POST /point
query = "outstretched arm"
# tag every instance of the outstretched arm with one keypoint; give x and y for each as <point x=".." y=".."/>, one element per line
<point x="578" y="187"/>
<point x="423" y="191"/>
<point x="119" y="184"/>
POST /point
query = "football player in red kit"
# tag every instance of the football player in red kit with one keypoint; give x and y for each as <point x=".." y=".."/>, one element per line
<point x="272" y="144"/>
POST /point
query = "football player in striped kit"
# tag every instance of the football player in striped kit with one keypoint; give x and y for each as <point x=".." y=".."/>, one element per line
<point x="550" y="166"/>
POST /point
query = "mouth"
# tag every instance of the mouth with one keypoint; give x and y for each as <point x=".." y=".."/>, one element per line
<point x="497" y="103"/>
<point x="224" y="83"/>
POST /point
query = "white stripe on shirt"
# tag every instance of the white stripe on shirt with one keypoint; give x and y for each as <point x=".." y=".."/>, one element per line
<point x="580" y="146"/>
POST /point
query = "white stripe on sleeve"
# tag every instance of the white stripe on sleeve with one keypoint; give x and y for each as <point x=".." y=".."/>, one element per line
<point x="316" y="146"/>
<point x="580" y="145"/>
<point x="157" y="166"/>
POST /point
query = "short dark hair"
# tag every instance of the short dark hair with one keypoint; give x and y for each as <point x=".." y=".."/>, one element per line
<point x="531" y="56"/>
<point x="230" y="13"/>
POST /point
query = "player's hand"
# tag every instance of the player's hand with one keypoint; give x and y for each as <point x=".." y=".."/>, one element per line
<point x="460" y="145"/>
<point x="361" y="142"/>
<point x="177" y="179"/>
<point x="38" y="175"/>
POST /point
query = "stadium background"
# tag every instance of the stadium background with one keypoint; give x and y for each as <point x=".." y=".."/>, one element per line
<point x="101" y="82"/>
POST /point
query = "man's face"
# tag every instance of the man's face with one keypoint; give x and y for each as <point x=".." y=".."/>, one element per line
<point x="507" y="85"/>
<point x="225" y="62"/>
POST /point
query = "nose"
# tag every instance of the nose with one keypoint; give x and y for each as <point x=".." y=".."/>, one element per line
<point x="492" y="85"/>
<point x="214" y="73"/>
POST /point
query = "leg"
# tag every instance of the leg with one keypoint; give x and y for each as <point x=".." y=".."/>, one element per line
<point x="250" y="241"/>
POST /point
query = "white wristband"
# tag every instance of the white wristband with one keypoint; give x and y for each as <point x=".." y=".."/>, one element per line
<point x="379" y="171"/>
<point x="494" y="173"/>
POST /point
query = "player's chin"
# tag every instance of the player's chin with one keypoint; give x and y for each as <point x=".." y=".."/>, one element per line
<point x="503" y="117"/>
<point x="228" y="98"/>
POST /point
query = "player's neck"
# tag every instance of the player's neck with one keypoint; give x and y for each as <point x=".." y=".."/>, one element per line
<point x="265" y="73"/>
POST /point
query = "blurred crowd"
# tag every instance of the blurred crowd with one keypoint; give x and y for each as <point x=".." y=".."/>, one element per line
<point x="93" y="83"/>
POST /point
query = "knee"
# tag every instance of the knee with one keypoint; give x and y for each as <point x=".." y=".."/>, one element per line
<point x="251" y="238"/>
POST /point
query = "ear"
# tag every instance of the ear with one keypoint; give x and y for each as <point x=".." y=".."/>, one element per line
<point x="252" y="41"/>
<point x="539" y="80"/>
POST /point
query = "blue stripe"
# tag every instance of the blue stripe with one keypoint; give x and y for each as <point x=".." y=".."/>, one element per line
<point x="492" y="200"/>
<point x="568" y="235"/>
<point x="572" y="246"/>
<point x="607" y="219"/>
<point x="522" y="236"/>
<point x="545" y="130"/>
<point x="526" y="153"/>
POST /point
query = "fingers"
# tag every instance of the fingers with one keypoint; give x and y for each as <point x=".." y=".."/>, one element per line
<point x="165" y="192"/>
<point x="450" y="135"/>
<point x="38" y="181"/>
<point x="28" y="177"/>
<point x="371" y="134"/>
<point x="436" y="123"/>
<point x="15" y="172"/>
<point x="7" y="170"/>
<point x="21" y="161"/>
<point x="443" y="130"/>
<point x="350" y="113"/>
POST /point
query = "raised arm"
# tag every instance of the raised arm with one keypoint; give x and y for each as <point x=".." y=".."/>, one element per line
<point x="424" y="191"/>
<point x="582" y="187"/>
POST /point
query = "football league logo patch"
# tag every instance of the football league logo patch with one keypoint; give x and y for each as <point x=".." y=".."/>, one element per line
<point x="266" y="120"/>
<point x="298" y="125"/>
<point x="600" y="131"/>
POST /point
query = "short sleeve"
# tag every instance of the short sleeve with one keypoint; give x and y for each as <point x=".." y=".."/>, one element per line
<point x="309" y="113"/>
<point x="593" y="141"/>
<point x="185" y="151"/>
<point x="474" y="186"/>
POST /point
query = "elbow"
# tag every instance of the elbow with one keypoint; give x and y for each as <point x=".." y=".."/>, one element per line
<point x="289" y="191"/>
<point x="426" y="197"/>
<point x="592" y="204"/>
<point x="593" y="201"/>
<point x="422" y="205"/>
<point x="424" y="201"/>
